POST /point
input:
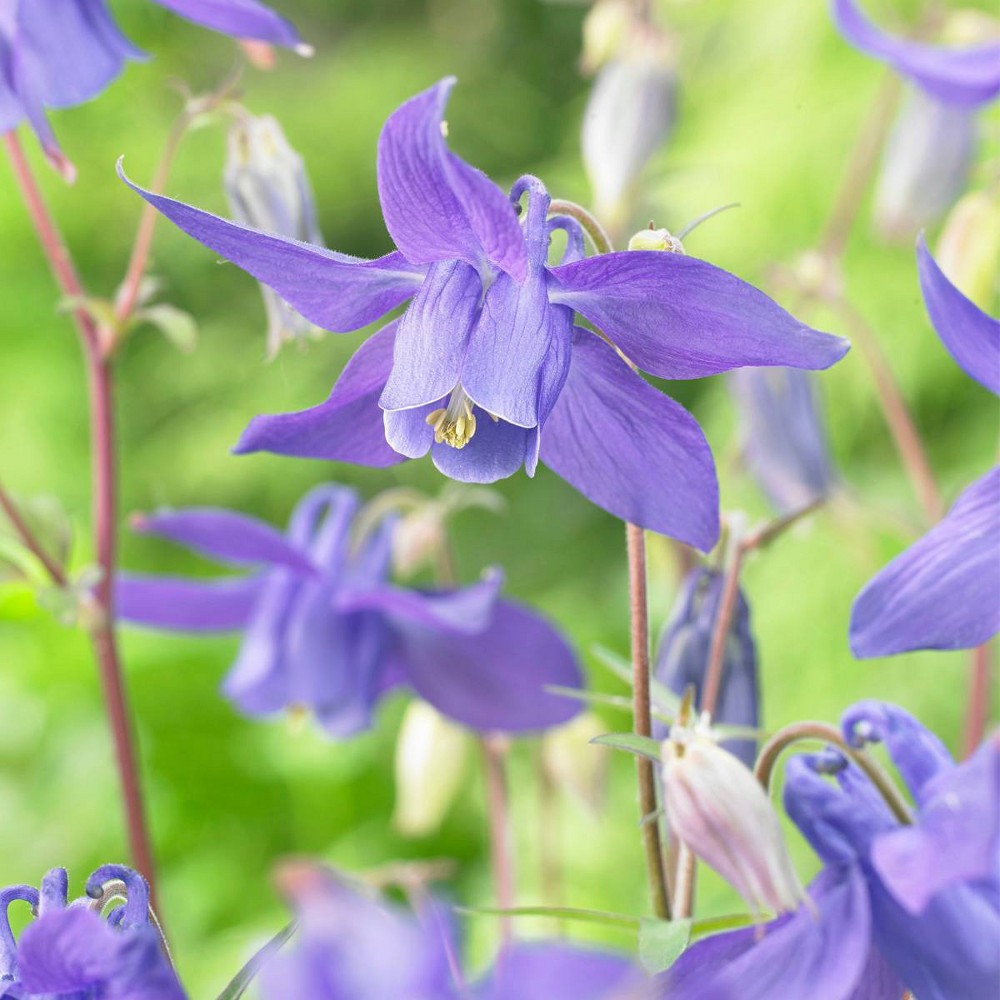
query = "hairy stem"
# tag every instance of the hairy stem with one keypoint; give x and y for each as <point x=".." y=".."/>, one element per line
<point x="642" y="722"/>
<point x="104" y="507"/>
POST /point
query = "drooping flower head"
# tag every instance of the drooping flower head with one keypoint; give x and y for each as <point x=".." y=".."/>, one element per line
<point x="944" y="591"/>
<point x="895" y="907"/>
<point x="268" y="188"/>
<point x="60" y="53"/>
<point x="684" y="650"/>
<point x="931" y="148"/>
<point x="486" y="370"/>
<point x="323" y="628"/>
<point x="70" y="951"/>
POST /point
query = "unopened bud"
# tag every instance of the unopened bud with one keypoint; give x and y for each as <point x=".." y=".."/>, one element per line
<point x="574" y="763"/>
<point x="969" y="247"/>
<point x="605" y="28"/>
<point x="655" y="239"/>
<point x="267" y="187"/>
<point x="431" y="754"/>
<point x="716" y="807"/>
<point x="967" y="28"/>
<point x="925" y="164"/>
<point x="419" y="538"/>
<point x="629" y="113"/>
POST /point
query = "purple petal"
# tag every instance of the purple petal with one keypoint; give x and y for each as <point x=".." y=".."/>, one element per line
<point x="408" y="432"/>
<point x="819" y="952"/>
<point x="630" y="449"/>
<point x="496" y="451"/>
<point x="971" y="336"/>
<point x="348" y="427"/>
<point x="224" y="535"/>
<point x="944" y="591"/>
<point x="184" y="605"/>
<point x="67" y="951"/>
<point x="956" y="839"/>
<point x="519" y="352"/>
<point x="966" y="76"/>
<point x="559" y="971"/>
<point x="464" y="610"/>
<point x="437" y="207"/>
<point x="679" y="317"/>
<point x="495" y="679"/>
<point x="239" y="18"/>
<point x="334" y="291"/>
<point x="432" y="337"/>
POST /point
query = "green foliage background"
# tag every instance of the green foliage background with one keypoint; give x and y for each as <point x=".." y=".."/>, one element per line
<point x="771" y="101"/>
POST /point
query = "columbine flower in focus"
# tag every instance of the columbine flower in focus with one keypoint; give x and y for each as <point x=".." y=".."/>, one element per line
<point x="632" y="104"/>
<point x="487" y="355"/>
<point x="323" y="628"/>
<point x="60" y="53"/>
<point x="72" y="951"/>
<point x="944" y="591"/>
<point x="895" y="907"/>
<point x="683" y="653"/>
<point x="717" y="808"/>
<point x="932" y="145"/>
<point x="267" y="187"/>
<point x="351" y="944"/>
<point x="783" y="438"/>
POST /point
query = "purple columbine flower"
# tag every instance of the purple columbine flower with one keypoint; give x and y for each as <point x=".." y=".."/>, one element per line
<point x="60" y="53"/>
<point x="684" y="648"/>
<point x="783" y="437"/>
<point x="876" y="927"/>
<point x="70" y="952"/>
<point x="931" y="148"/>
<point x="487" y="354"/>
<point x="324" y="629"/>
<point x="944" y="591"/>
<point x="352" y="945"/>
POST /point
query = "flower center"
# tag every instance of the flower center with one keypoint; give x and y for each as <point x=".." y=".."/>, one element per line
<point x="455" y="424"/>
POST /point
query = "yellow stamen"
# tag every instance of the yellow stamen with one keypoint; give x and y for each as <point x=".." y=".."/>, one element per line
<point x="454" y="425"/>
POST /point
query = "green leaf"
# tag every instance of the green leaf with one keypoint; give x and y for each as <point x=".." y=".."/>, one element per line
<point x="663" y="698"/>
<point x="641" y="746"/>
<point x="246" y="975"/>
<point x="591" y="697"/>
<point x="662" y="942"/>
<point x="714" y="925"/>
<point x="555" y="912"/>
<point x="176" y="325"/>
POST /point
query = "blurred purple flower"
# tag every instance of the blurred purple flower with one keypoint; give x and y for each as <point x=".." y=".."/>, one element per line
<point x="874" y="928"/>
<point x="324" y="630"/>
<point x="944" y="591"/>
<point x="783" y="435"/>
<point x="487" y="353"/>
<point x="352" y="945"/>
<point x="932" y="146"/>
<point x="683" y="652"/>
<point x="71" y="952"/>
<point x="59" y="53"/>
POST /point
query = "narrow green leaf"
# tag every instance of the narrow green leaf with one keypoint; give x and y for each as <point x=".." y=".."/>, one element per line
<point x="641" y="746"/>
<point x="663" y="698"/>
<point x="662" y="942"/>
<point x="714" y="925"/>
<point x="246" y="975"/>
<point x="176" y="325"/>
<point x="591" y="697"/>
<point x="554" y="912"/>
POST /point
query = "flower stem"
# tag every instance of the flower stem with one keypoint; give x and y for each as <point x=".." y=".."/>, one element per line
<point x="978" y="709"/>
<point x="642" y="722"/>
<point x="825" y="733"/>
<point x="497" y="805"/>
<point x="104" y="507"/>
<point x="28" y="539"/>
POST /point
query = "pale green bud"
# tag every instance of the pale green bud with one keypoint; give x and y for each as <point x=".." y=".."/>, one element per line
<point x="605" y="28"/>
<point x="968" y="249"/>
<point x="655" y="239"/>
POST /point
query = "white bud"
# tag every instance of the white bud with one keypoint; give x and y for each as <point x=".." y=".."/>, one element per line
<point x="431" y="755"/>
<point x="605" y="28"/>
<point x="574" y="764"/>
<point x="718" y="809"/>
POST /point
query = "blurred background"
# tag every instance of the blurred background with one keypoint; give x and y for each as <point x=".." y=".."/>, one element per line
<point x="769" y="100"/>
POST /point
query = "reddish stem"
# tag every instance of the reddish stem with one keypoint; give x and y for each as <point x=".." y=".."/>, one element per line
<point x="501" y="849"/>
<point x="978" y="709"/>
<point x="29" y="540"/>
<point x="104" y="507"/>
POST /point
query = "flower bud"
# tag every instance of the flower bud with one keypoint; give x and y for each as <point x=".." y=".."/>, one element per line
<point x="605" y="28"/>
<point x="574" y="763"/>
<point x="431" y="753"/>
<point x="267" y="187"/>
<point x="419" y="538"/>
<point x="925" y="164"/>
<point x="629" y="113"/>
<point x="655" y="239"/>
<point x="684" y="649"/>
<point x="716" y="807"/>
<point x="784" y="444"/>
<point x="969" y="246"/>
